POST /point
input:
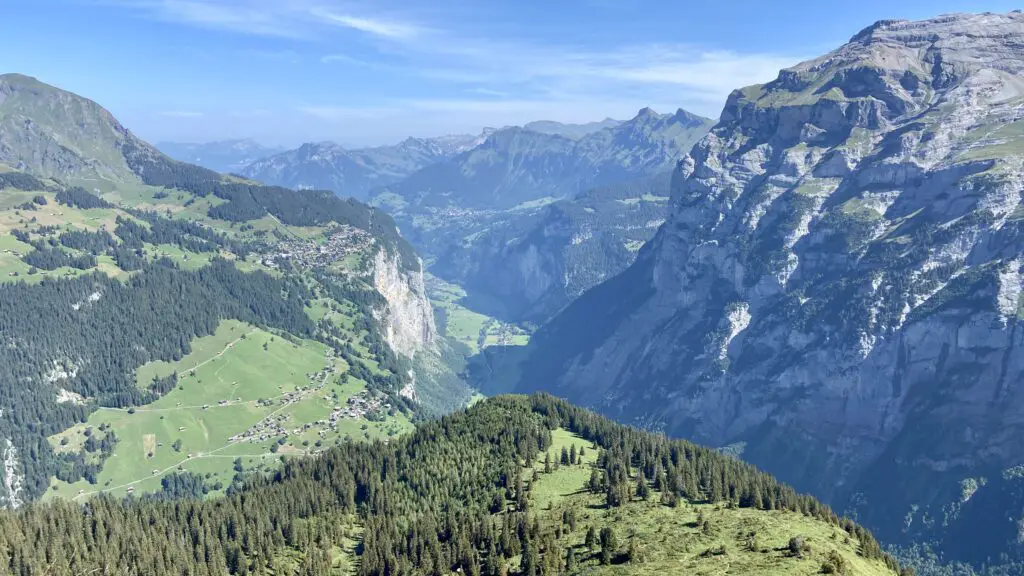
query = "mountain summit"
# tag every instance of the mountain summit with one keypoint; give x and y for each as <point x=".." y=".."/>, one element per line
<point x="54" y="133"/>
<point x="836" y="290"/>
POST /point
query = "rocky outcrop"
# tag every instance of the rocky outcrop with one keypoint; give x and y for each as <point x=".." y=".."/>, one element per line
<point x="12" y="479"/>
<point x="836" y="289"/>
<point x="408" y="321"/>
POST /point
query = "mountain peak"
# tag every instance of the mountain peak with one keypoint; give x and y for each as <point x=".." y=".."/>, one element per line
<point x="646" y="112"/>
<point x="91" y="143"/>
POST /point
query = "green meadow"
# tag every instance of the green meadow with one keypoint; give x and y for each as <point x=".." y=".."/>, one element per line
<point x="232" y="380"/>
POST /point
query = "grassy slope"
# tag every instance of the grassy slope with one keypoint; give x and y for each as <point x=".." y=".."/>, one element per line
<point x="472" y="329"/>
<point x="230" y="366"/>
<point x="670" y="539"/>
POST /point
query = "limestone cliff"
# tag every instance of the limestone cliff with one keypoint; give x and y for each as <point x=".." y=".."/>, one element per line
<point x="408" y="321"/>
<point x="836" y="289"/>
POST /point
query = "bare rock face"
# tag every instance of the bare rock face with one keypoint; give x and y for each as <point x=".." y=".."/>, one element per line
<point x="408" y="321"/>
<point x="836" y="290"/>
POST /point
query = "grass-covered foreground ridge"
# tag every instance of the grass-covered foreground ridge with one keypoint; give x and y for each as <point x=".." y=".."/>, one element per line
<point x="513" y="485"/>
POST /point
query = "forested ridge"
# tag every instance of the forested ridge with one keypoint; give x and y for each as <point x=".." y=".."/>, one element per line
<point x="448" y="497"/>
<point x="249" y="201"/>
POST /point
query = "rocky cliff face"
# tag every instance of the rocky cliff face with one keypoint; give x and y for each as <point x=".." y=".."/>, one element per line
<point x="836" y="290"/>
<point x="408" y="321"/>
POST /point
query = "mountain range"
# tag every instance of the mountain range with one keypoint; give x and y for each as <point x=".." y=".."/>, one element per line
<point x="206" y="375"/>
<point x="517" y="165"/>
<point x="836" y="292"/>
<point x="329" y="166"/>
<point x="825" y="283"/>
<point x="228" y="156"/>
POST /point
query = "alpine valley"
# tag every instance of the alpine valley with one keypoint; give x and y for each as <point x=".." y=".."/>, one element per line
<point x="206" y="375"/>
<point x="661" y="345"/>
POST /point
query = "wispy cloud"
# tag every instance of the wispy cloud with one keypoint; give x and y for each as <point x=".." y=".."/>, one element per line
<point x="247" y="17"/>
<point x="181" y="114"/>
<point x="295" y="19"/>
<point x="344" y="59"/>
<point x="452" y="74"/>
<point x="384" y="28"/>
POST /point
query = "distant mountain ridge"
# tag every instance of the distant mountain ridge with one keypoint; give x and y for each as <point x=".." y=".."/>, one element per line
<point x="354" y="172"/>
<point x="517" y="164"/>
<point x="222" y="156"/>
<point x="575" y="131"/>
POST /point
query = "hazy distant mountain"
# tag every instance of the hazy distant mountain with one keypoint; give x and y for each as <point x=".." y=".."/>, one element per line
<point x="354" y="172"/>
<point x="222" y="156"/>
<point x="574" y="131"/>
<point x="529" y="264"/>
<point x="518" y="164"/>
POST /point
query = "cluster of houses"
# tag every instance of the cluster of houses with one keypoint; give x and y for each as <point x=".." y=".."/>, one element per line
<point x="361" y="405"/>
<point x="346" y="240"/>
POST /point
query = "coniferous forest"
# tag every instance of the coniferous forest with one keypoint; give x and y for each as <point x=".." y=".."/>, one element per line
<point x="449" y="497"/>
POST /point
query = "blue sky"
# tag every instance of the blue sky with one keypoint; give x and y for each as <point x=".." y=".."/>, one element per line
<point x="365" y="72"/>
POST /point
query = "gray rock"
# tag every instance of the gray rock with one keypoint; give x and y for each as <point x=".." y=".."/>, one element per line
<point x="838" y="283"/>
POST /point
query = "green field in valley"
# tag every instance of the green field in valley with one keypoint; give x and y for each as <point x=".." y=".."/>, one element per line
<point x="474" y="330"/>
<point x="241" y="380"/>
